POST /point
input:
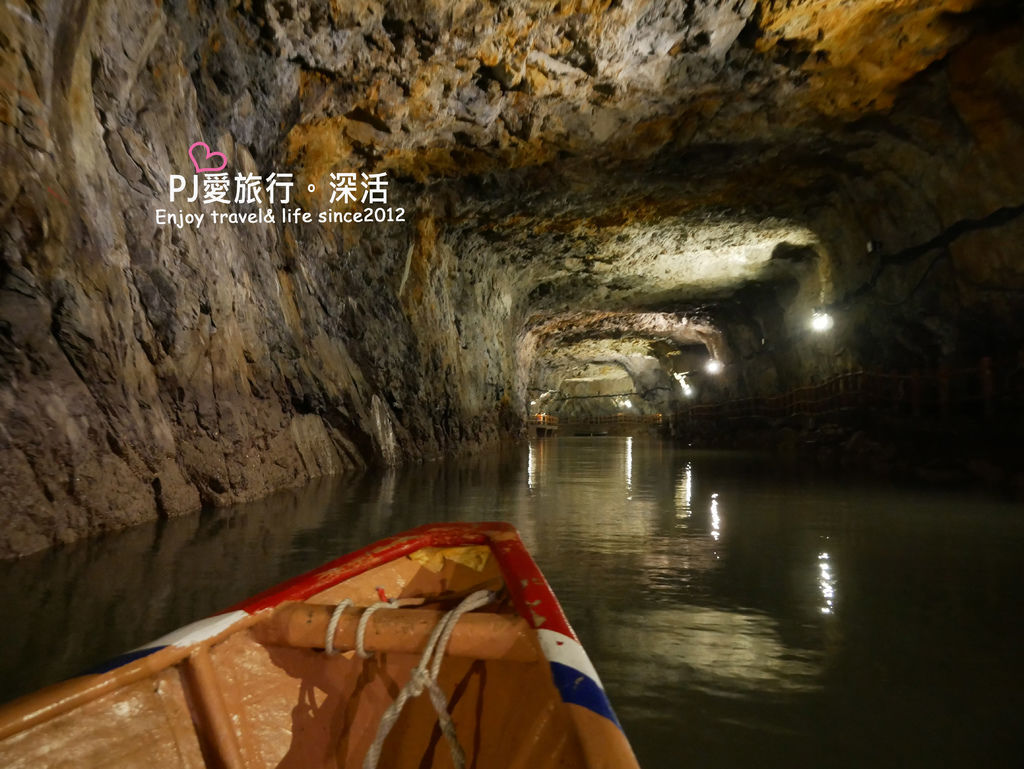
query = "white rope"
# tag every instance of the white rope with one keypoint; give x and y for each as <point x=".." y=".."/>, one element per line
<point x="332" y="626"/>
<point x="424" y="677"/>
<point x="339" y="610"/>
<point x="361" y="627"/>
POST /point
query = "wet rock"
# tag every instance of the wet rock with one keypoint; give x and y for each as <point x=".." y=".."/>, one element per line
<point x="685" y="174"/>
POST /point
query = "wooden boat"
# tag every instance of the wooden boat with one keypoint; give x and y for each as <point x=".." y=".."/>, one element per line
<point x="328" y="669"/>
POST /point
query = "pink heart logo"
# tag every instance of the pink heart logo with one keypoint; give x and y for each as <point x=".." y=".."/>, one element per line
<point x="210" y="157"/>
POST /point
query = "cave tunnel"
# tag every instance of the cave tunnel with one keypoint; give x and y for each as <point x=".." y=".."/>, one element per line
<point x="254" y="247"/>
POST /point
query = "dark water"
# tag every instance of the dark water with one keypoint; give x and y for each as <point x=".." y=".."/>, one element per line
<point x="739" y="615"/>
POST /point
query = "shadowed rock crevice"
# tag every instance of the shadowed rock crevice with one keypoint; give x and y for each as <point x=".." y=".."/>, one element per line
<point x="1000" y="218"/>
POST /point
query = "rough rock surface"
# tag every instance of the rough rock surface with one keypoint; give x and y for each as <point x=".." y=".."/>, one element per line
<point x="568" y="172"/>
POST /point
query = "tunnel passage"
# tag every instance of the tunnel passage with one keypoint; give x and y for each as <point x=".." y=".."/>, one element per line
<point x="601" y="364"/>
<point x="565" y="185"/>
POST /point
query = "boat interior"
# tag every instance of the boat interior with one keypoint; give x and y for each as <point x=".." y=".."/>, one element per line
<point x="264" y="692"/>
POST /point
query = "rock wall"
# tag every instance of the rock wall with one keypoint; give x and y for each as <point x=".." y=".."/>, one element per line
<point x="926" y="262"/>
<point x="145" y="369"/>
<point x="679" y="173"/>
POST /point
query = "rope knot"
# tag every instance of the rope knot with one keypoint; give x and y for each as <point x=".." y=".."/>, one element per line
<point x="418" y="682"/>
<point x="424" y="678"/>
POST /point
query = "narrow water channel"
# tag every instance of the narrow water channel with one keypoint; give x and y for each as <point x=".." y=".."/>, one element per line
<point x="739" y="614"/>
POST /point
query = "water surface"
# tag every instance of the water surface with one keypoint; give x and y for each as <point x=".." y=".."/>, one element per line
<point x="738" y="614"/>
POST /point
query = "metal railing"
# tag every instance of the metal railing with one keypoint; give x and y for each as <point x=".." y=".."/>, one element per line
<point x="983" y="390"/>
<point x="978" y="390"/>
<point x="544" y="419"/>
<point x="549" y="420"/>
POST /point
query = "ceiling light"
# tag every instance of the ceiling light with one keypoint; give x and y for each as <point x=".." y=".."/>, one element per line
<point x="821" y="321"/>
<point x="686" y="387"/>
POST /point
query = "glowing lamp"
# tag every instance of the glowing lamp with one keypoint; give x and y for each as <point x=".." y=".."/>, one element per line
<point x="686" y="387"/>
<point x="714" y="366"/>
<point x="821" y="321"/>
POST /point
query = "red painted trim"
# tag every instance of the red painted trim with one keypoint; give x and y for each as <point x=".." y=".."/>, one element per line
<point x="529" y="590"/>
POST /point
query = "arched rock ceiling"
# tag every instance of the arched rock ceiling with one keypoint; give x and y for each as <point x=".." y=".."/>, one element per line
<point x="449" y="88"/>
<point x="664" y="261"/>
<point x="685" y="173"/>
<point x="560" y="345"/>
<point x="580" y="359"/>
<point x="617" y="155"/>
<point x="676" y="330"/>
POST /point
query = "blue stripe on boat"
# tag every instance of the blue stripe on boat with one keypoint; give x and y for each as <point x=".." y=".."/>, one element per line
<point x="122" y="659"/>
<point x="580" y="689"/>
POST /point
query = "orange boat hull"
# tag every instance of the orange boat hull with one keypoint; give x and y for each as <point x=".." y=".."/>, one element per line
<point x="253" y="687"/>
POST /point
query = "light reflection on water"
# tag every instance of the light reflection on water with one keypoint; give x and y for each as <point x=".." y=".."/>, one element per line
<point x="826" y="583"/>
<point x="629" y="464"/>
<point x="684" y="492"/>
<point x="736" y="614"/>
<point x="722" y="651"/>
